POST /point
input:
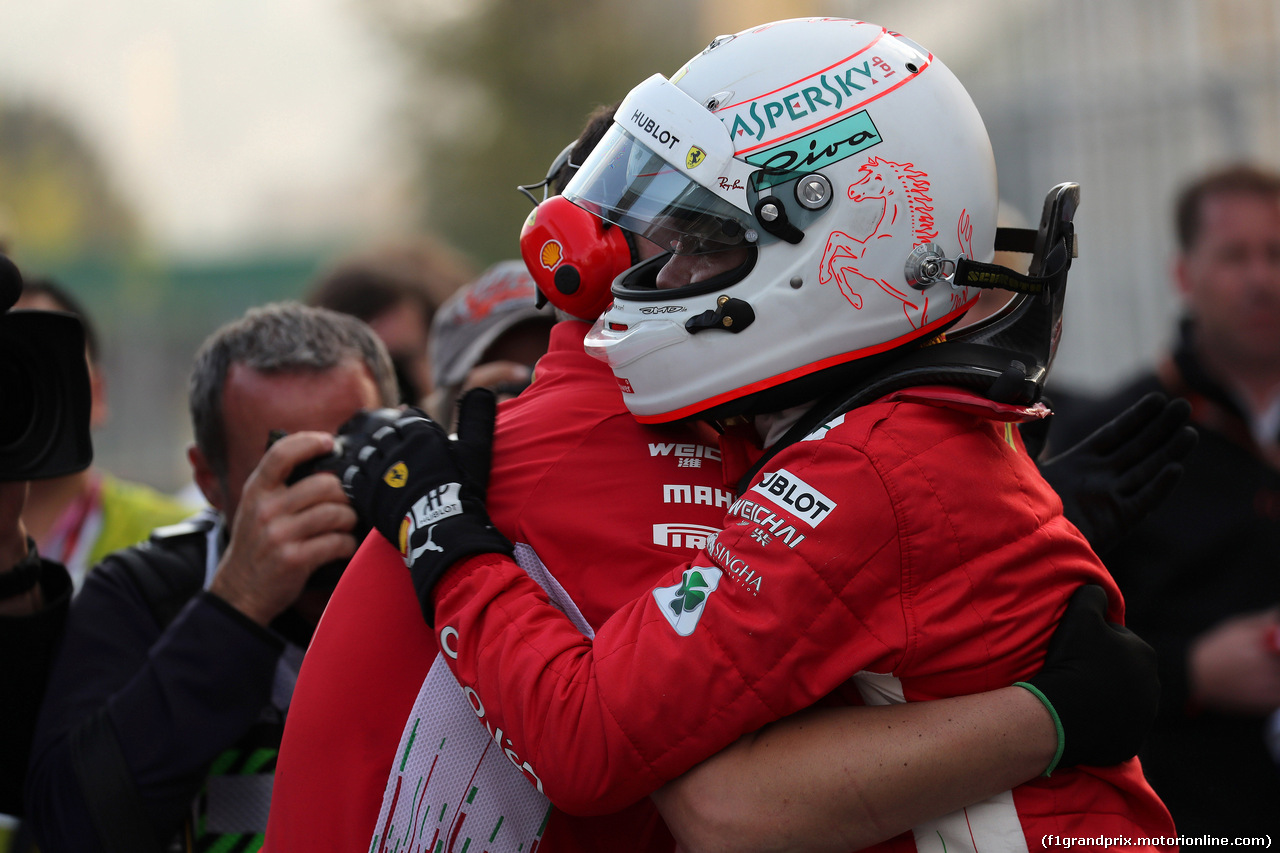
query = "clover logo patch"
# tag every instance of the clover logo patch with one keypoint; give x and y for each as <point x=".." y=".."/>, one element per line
<point x="684" y="603"/>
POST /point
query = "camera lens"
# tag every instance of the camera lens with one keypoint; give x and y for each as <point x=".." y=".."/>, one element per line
<point x="17" y="402"/>
<point x="44" y="396"/>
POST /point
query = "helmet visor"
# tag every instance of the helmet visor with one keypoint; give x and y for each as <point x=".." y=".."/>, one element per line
<point x="630" y="185"/>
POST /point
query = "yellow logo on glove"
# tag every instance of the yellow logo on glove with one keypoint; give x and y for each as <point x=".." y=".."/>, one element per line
<point x="406" y="530"/>
<point x="397" y="475"/>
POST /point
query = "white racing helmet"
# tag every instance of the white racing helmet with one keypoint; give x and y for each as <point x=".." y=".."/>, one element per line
<point x="849" y="164"/>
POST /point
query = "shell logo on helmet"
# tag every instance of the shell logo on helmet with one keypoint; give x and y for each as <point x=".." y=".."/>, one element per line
<point x="573" y="256"/>
<point x="551" y="255"/>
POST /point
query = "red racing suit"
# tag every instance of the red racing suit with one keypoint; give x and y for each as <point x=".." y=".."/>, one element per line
<point x="609" y="504"/>
<point x="908" y="550"/>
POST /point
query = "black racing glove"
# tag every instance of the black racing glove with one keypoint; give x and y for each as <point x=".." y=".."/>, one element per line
<point x="1099" y="684"/>
<point x="1123" y="470"/>
<point x="425" y="492"/>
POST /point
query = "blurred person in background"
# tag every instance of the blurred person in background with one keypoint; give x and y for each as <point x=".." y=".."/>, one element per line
<point x="396" y="290"/>
<point x="489" y="334"/>
<point x="35" y="594"/>
<point x="1199" y="575"/>
<point x="79" y="519"/>
<point x="1110" y="479"/>
<point x="42" y="370"/>
<point x="167" y="699"/>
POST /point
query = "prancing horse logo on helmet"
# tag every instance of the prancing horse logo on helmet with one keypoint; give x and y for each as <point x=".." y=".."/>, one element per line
<point x="901" y="193"/>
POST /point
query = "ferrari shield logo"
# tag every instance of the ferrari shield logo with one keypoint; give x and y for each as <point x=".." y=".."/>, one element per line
<point x="397" y="475"/>
<point x="695" y="156"/>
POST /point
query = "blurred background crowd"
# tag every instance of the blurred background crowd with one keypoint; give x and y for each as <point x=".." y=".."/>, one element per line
<point x="173" y="164"/>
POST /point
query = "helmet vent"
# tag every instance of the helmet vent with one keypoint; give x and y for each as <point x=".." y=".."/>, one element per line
<point x="717" y="41"/>
<point x="713" y="103"/>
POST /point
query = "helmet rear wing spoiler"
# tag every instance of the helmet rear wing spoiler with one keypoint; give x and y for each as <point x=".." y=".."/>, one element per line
<point x="1026" y="323"/>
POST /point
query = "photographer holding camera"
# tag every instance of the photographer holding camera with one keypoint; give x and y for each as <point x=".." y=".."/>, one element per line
<point x="80" y="518"/>
<point x="44" y="432"/>
<point x="166" y="704"/>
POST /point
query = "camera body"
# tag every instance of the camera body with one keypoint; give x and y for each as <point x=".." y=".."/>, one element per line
<point x="44" y="389"/>
<point x="352" y="438"/>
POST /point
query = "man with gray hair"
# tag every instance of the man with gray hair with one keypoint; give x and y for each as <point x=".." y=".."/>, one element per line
<point x="166" y="704"/>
